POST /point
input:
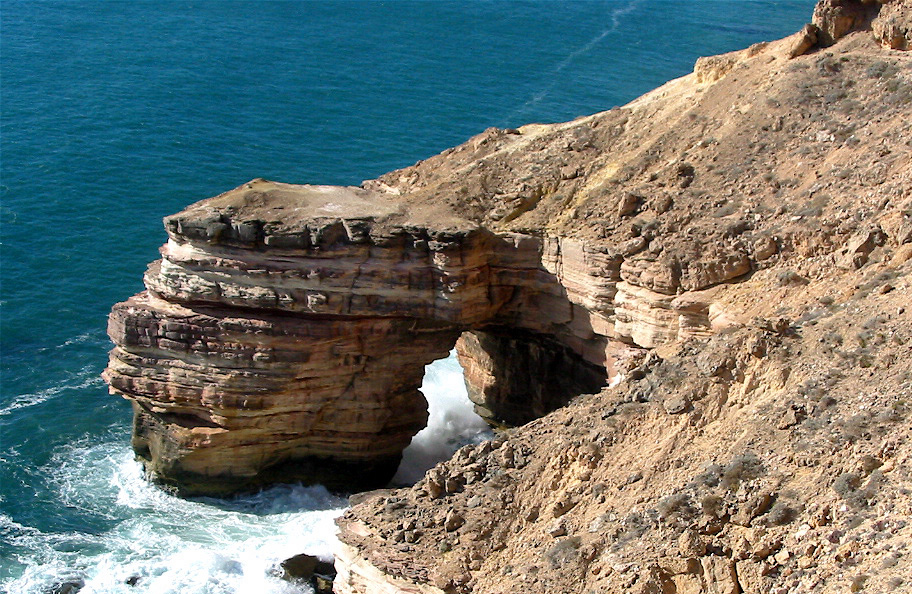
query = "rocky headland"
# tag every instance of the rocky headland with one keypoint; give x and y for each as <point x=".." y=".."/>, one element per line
<point x="692" y="310"/>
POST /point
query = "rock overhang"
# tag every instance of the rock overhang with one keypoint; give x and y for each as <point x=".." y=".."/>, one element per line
<point x="288" y="327"/>
<point x="293" y="323"/>
<point x="279" y="215"/>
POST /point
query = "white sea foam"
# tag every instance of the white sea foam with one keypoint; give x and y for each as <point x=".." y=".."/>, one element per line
<point x="87" y="377"/>
<point x="170" y="545"/>
<point x="452" y="422"/>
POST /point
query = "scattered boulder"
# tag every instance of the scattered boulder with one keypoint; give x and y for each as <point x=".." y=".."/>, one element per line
<point x="319" y="573"/>
<point x="856" y="252"/>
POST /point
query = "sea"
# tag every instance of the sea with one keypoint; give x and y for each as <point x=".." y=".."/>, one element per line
<point x="115" y="113"/>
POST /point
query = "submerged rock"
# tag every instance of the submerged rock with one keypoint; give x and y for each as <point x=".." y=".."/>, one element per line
<point x="319" y="573"/>
<point x="70" y="586"/>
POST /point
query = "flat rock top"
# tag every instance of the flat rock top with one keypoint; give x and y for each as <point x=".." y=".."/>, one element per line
<point x="290" y="207"/>
<point x="261" y="199"/>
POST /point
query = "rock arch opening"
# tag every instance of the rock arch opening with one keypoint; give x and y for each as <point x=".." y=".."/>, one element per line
<point x="514" y="376"/>
<point x="452" y="421"/>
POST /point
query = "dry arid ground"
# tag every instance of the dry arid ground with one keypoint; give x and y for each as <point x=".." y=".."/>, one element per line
<point x="773" y="454"/>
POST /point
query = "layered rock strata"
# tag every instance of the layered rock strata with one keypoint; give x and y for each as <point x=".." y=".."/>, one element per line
<point x="228" y="400"/>
<point x="284" y="333"/>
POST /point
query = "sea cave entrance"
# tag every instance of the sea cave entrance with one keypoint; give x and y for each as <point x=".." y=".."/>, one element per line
<point x="452" y="421"/>
<point x="496" y="377"/>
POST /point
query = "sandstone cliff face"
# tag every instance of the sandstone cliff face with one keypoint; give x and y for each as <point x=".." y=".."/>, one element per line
<point x="732" y="250"/>
<point x="284" y="333"/>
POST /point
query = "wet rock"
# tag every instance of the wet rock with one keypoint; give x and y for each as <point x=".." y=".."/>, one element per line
<point x="71" y="586"/>
<point x="305" y="567"/>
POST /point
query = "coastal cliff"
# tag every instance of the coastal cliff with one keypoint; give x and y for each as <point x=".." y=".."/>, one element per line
<point x="722" y="266"/>
<point x="761" y="214"/>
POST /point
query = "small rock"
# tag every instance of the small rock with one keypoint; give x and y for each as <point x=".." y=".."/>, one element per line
<point x="847" y="551"/>
<point x="69" y="587"/>
<point x="632" y="246"/>
<point x="802" y="41"/>
<point x="764" y="549"/>
<point x="676" y="404"/>
<point x="453" y="484"/>
<point x="507" y="455"/>
<point x="599" y="523"/>
<point x="454" y="521"/>
<point x="632" y="478"/>
<point x="691" y="545"/>
<point x="859" y="247"/>
<point x="628" y="204"/>
<point x="557" y="528"/>
<point x="662" y="204"/>
<point x="322" y="584"/>
<point x="562" y="506"/>
<point x="685" y="174"/>
<point x="792" y="417"/>
<point x="305" y="566"/>
<point x="434" y="486"/>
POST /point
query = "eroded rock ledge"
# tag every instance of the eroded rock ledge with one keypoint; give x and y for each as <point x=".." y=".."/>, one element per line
<point x="284" y="333"/>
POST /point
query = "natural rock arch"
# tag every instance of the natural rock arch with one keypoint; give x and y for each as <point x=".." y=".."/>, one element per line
<point x="284" y="333"/>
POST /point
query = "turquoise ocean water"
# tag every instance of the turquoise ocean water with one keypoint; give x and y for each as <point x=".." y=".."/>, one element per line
<point x="115" y="114"/>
